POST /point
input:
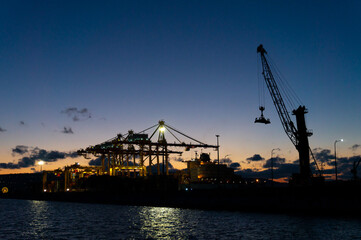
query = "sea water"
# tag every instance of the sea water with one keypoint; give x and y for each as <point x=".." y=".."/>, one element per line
<point x="26" y="219"/>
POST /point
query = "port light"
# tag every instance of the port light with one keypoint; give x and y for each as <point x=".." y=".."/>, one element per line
<point x="4" y="190"/>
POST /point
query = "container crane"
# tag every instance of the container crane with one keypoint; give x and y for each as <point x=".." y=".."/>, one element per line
<point x="298" y="135"/>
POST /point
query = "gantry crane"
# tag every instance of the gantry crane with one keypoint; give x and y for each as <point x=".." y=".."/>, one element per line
<point x="127" y="154"/>
<point x="298" y="135"/>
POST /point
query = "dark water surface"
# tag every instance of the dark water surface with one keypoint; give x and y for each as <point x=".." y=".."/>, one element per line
<point x="26" y="219"/>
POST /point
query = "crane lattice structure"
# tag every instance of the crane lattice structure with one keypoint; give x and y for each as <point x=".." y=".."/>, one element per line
<point x="134" y="154"/>
<point x="298" y="135"/>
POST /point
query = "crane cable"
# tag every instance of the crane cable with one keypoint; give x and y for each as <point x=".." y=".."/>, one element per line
<point x="261" y="87"/>
<point x="281" y="85"/>
<point x="287" y="91"/>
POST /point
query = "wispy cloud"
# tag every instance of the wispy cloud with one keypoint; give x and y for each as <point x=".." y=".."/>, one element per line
<point x="77" y="114"/>
<point x="20" y="149"/>
<point x="2" y="129"/>
<point x="21" y="123"/>
<point x="355" y="147"/>
<point x="67" y="130"/>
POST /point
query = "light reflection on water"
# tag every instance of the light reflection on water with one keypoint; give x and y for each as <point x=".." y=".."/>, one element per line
<point x="23" y="219"/>
<point x="159" y="222"/>
<point x="38" y="218"/>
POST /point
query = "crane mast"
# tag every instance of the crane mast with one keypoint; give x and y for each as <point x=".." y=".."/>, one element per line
<point x="298" y="136"/>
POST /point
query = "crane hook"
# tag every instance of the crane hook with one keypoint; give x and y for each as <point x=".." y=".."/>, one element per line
<point x="262" y="119"/>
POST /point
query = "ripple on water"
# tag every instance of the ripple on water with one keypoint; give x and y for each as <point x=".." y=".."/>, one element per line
<point x="23" y="219"/>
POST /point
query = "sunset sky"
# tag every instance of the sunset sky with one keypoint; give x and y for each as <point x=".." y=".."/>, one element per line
<point x="76" y="73"/>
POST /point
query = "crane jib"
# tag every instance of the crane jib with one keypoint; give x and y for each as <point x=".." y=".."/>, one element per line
<point x="298" y="135"/>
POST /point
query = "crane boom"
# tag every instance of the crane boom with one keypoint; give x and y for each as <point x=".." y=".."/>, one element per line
<point x="298" y="136"/>
<point x="282" y="111"/>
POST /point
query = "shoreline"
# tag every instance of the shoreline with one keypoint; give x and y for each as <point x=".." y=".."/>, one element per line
<point x="295" y="201"/>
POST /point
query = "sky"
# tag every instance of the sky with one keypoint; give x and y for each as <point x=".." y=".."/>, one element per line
<point x="76" y="73"/>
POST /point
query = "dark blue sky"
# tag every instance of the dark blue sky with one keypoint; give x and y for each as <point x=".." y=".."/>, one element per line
<point x="191" y="63"/>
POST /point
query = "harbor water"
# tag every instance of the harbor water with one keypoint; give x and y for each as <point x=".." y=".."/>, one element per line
<point x="27" y="219"/>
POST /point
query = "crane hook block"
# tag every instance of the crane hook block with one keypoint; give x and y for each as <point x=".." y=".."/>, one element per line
<point x="262" y="119"/>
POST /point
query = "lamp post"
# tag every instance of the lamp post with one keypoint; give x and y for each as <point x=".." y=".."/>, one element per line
<point x="336" y="141"/>
<point x="218" y="180"/>
<point x="41" y="163"/>
<point x="217" y="148"/>
<point x="272" y="162"/>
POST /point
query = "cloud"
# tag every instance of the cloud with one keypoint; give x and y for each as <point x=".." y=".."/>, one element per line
<point x="277" y="161"/>
<point x="9" y="165"/>
<point x="2" y="129"/>
<point x="67" y="130"/>
<point x="255" y="157"/>
<point x="20" y="149"/>
<point x="283" y="170"/>
<point x="323" y="155"/>
<point x="22" y="123"/>
<point x="355" y="147"/>
<point x="77" y="114"/>
<point x="227" y="161"/>
<point x="32" y="155"/>
<point x="98" y="162"/>
<point x="178" y="159"/>
<point x="72" y="154"/>
<point x="235" y="165"/>
<point x="287" y="169"/>
<point x="344" y="166"/>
